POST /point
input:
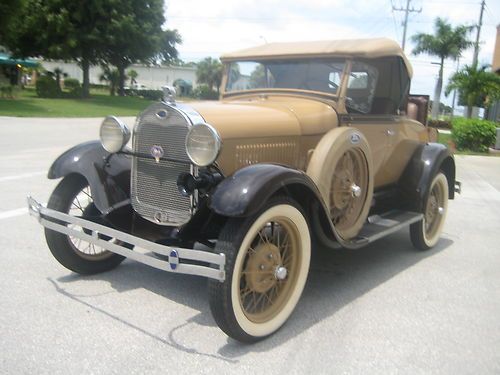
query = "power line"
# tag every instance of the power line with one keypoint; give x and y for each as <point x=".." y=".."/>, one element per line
<point x="394" y="19"/>
<point x="407" y="10"/>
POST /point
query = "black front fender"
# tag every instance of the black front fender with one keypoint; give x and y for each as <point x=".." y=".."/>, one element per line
<point x="246" y="191"/>
<point x="108" y="175"/>
<point x="426" y="161"/>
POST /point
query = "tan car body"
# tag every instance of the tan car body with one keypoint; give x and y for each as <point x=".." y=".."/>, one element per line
<point x="284" y="126"/>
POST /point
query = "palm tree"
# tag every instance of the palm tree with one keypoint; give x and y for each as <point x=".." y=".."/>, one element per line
<point x="209" y="71"/>
<point x="132" y="74"/>
<point x="112" y="77"/>
<point x="58" y="72"/>
<point x="447" y="42"/>
<point x="476" y="86"/>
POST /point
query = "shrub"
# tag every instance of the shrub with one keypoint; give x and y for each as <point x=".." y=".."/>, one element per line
<point x="74" y="87"/>
<point x="71" y="83"/>
<point x="205" y="92"/>
<point x="99" y="86"/>
<point x="150" y="94"/>
<point x="7" y="91"/>
<point x="130" y="92"/>
<point x="75" y="93"/>
<point x="46" y="87"/>
<point x="473" y="134"/>
<point x="440" y="124"/>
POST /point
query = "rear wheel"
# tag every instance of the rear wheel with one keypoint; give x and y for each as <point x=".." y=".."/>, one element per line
<point x="425" y="233"/>
<point x="267" y="262"/>
<point x="73" y="196"/>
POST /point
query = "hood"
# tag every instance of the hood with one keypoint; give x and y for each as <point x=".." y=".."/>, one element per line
<point x="267" y="117"/>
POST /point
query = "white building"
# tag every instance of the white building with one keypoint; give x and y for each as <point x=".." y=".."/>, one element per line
<point x="153" y="77"/>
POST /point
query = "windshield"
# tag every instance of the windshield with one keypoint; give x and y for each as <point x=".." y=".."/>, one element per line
<point x="313" y="75"/>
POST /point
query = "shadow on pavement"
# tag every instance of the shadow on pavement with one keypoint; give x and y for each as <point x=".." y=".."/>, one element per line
<point x="336" y="278"/>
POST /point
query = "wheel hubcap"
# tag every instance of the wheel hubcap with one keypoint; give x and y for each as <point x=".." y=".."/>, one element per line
<point x="280" y="273"/>
<point x="260" y="266"/>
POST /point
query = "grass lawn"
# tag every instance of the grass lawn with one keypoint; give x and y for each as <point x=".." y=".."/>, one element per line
<point x="27" y="104"/>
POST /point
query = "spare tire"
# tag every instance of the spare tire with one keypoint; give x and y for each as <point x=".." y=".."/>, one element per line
<point x="342" y="168"/>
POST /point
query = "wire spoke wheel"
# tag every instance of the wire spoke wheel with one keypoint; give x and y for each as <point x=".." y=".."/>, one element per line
<point x="425" y="233"/>
<point x="267" y="262"/>
<point x="349" y="189"/>
<point x="342" y="169"/>
<point x="269" y="269"/>
<point x="73" y="196"/>
<point x="83" y="206"/>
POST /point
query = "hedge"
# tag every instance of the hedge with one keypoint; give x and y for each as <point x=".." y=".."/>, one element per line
<point x="473" y="134"/>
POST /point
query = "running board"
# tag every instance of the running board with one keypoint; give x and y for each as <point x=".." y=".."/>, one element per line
<point x="379" y="226"/>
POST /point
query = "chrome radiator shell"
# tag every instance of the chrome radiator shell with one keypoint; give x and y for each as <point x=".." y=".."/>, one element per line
<point x="154" y="193"/>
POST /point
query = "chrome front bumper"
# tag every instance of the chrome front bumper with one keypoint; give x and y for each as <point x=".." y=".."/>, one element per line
<point x="91" y="232"/>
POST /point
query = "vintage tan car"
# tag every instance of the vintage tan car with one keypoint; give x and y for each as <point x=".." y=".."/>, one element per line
<point x="311" y="143"/>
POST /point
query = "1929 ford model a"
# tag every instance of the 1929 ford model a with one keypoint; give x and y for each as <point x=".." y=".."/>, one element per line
<point x="310" y="143"/>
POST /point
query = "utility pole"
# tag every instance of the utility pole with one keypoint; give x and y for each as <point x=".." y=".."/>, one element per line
<point x="476" y="45"/>
<point x="407" y="10"/>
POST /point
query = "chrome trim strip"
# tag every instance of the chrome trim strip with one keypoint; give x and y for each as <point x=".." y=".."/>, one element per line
<point x="46" y="217"/>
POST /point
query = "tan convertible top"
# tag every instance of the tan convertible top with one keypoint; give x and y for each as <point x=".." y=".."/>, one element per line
<point x="365" y="48"/>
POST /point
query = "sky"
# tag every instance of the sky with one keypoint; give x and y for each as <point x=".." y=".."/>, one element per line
<point x="211" y="28"/>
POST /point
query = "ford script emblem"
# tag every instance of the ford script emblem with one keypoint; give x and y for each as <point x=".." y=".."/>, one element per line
<point x="157" y="152"/>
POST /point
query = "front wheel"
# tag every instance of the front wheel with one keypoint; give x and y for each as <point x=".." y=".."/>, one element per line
<point x="425" y="233"/>
<point x="267" y="262"/>
<point x="73" y="196"/>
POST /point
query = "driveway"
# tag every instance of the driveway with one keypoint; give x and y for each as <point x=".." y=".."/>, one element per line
<point x="383" y="309"/>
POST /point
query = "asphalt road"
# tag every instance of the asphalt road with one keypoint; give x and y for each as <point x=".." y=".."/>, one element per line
<point x="383" y="309"/>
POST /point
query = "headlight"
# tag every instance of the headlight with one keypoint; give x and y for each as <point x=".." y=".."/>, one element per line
<point x="203" y="144"/>
<point x="114" y="134"/>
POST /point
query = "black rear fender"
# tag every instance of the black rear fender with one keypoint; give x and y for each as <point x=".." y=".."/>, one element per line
<point x="425" y="163"/>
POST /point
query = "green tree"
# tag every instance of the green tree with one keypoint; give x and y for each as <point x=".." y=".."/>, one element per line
<point x="209" y="71"/>
<point x="9" y="11"/>
<point x="60" y="29"/>
<point x="134" y="33"/>
<point x="476" y="87"/>
<point x="115" y="32"/>
<point x="447" y="42"/>
<point x="167" y="49"/>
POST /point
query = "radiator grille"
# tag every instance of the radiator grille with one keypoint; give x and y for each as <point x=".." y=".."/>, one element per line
<point x="154" y="185"/>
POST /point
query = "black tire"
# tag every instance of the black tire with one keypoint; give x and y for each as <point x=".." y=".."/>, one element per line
<point x="267" y="262"/>
<point x="66" y="250"/>
<point x="425" y="234"/>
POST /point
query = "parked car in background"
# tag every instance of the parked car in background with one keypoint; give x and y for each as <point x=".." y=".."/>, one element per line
<point x="311" y="143"/>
